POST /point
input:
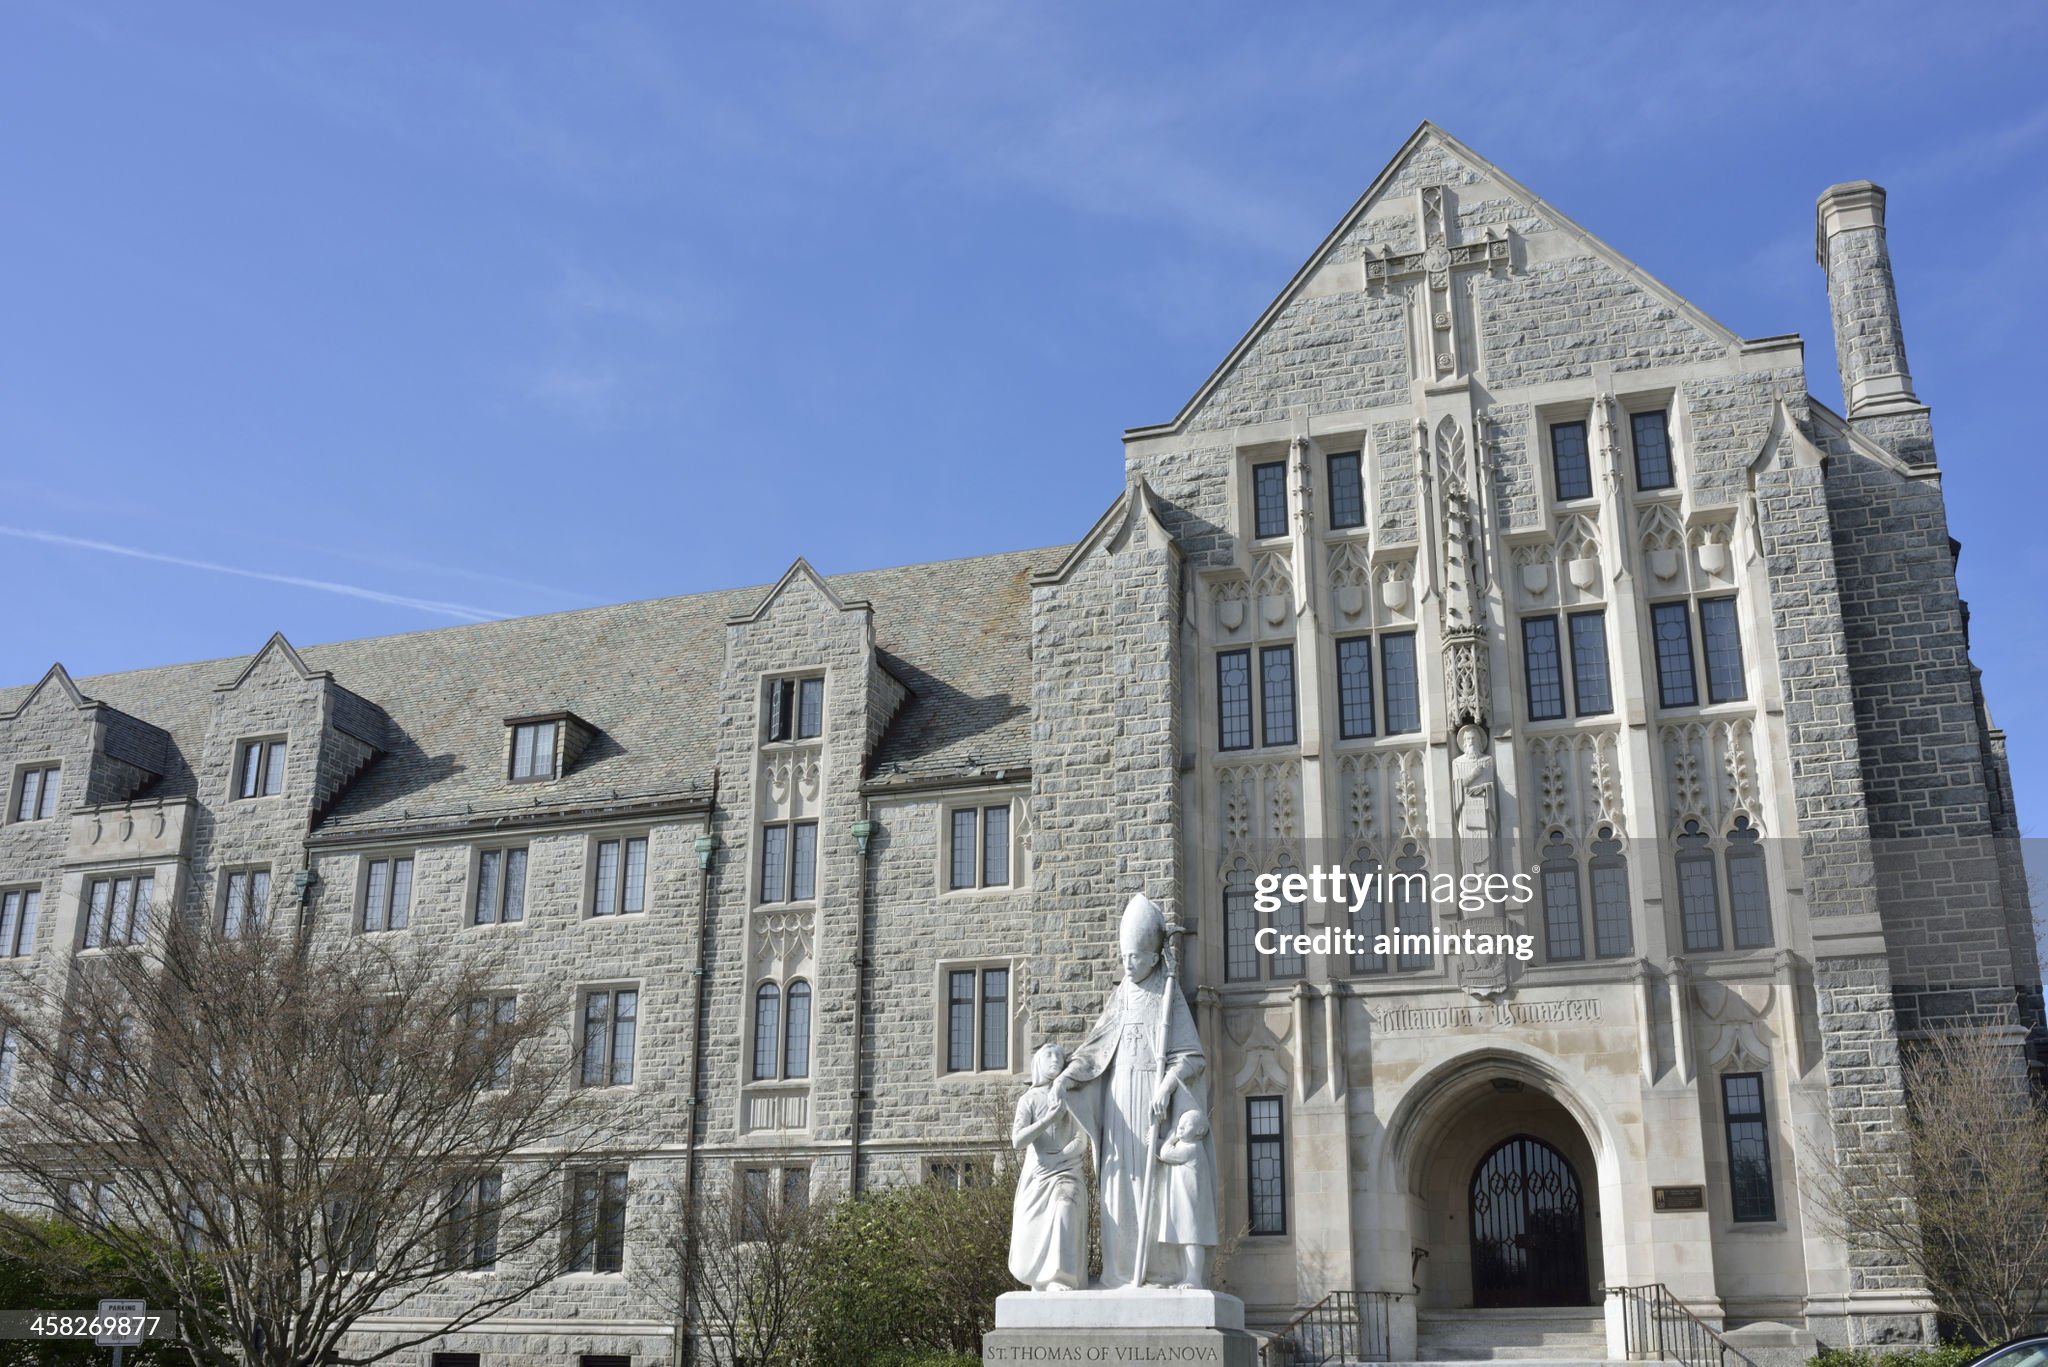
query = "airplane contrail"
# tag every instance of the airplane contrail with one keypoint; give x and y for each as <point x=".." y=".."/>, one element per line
<point x="459" y="611"/>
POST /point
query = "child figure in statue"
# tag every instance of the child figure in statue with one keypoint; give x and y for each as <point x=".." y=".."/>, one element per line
<point x="1188" y="1203"/>
<point x="1049" y="1221"/>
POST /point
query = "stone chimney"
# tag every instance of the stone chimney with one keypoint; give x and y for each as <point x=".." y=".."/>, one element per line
<point x="1870" y="346"/>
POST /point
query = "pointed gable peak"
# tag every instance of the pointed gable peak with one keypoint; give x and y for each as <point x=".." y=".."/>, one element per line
<point x="799" y="572"/>
<point x="58" y="678"/>
<point x="1484" y="207"/>
<point x="277" y="645"/>
<point x="1137" y="509"/>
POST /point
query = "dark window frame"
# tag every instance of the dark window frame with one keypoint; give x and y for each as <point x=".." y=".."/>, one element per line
<point x="795" y="709"/>
<point x="1722" y="610"/>
<point x="495" y="885"/>
<point x="978" y="876"/>
<point x="529" y="756"/>
<point x="1349" y="688"/>
<point x="787" y="848"/>
<point x="250" y="885"/>
<point x="1262" y="528"/>
<point x="1759" y="1120"/>
<point x="379" y="909"/>
<point x="1579" y="662"/>
<point x="595" y="1240"/>
<point x="1666" y="662"/>
<point x="1409" y="694"/>
<point x="1288" y="725"/>
<point x="1635" y="444"/>
<point x="21" y="907"/>
<point x="43" y="805"/>
<point x="613" y="892"/>
<point x="1355" y="479"/>
<point x="1226" y="728"/>
<point x="614" y="1062"/>
<point x="1266" y="1211"/>
<point x="965" y="1025"/>
<point x="1583" y="470"/>
<point x="1536" y="693"/>
<point x="266" y="778"/>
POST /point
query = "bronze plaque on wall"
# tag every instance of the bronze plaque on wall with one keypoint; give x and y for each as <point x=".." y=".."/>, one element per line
<point x="1679" y="1198"/>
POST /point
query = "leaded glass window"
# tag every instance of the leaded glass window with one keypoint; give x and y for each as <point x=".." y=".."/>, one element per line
<point x="1413" y="914"/>
<point x="995" y="1018"/>
<point x="1569" y="462"/>
<point x="1398" y="683"/>
<point x="245" y="909"/>
<point x="18" y="909"/>
<point x="533" y="751"/>
<point x="767" y="1029"/>
<point x="1240" y="926"/>
<point x="1591" y="692"/>
<point x="500" y="886"/>
<point x="620" y="884"/>
<point x="1269" y="499"/>
<point x="1347" y="491"/>
<point x="995" y="846"/>
<point x="260" y="772"/>
<point x="1699" y="895"/>
<point x="387" y="894"/>
<point x="472" y="1229"/>
<point x="1722" y="638"/>
<point x="960" y="1021"/>
<point x="1368" y="922"/>
<point x="1266" y="1164"/>
<point x="597" y="1221"/>
<point x="796" y="1031"/>
<point x="1652" y="440"/>
<point x="1234" y="700"/>
<point x="1671" y="628"/>
<point x="1749" y="895"/>
<point x="1542" y="669"/>
<point x="1354" y="687"/>
<point x="1749" y="1148"/>
<point x="1613" y="932"/>
<point x="962" y="870"/>
<point x="610" y="1027"/>
<point x="1563" y="912"/>
<point x="1276" y="693"/>
<point x="36" y="798"/>
<point x="1287" y="921"/>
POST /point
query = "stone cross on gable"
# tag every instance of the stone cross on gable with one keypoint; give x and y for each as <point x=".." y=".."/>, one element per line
<point x="1439" y="355"/>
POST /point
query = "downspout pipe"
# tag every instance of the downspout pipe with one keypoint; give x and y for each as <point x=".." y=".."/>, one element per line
<point x="863" y="835"/>
<point x="706" y="849"/>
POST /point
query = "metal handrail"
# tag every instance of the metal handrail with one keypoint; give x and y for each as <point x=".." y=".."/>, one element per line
<point x="1344" y="1326"/>
<point x="1657" y="1325"/>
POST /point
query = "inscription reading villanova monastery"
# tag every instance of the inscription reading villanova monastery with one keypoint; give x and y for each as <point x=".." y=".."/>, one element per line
<point x="1486" y="1015"/>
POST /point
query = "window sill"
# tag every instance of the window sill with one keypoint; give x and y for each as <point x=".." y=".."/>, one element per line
<point x="985" y="888"/>
<point x="966" y="1075"/>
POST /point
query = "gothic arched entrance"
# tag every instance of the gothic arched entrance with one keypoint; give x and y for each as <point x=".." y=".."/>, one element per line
<point x="1528" y="1227"/>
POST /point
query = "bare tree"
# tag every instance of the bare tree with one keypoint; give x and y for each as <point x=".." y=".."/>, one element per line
<point x="1976" y="1223"/>
<point x="738" y="1269"/>
<point x="278" y="1140"/>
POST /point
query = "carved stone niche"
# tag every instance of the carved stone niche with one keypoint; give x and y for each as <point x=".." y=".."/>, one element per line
<point x="1231" y="600"/>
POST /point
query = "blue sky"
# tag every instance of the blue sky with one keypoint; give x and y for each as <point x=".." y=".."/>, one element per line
<point x="424" y="312"/>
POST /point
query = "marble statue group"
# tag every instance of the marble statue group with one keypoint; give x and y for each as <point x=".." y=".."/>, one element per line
<point x="1135" y="1095"/>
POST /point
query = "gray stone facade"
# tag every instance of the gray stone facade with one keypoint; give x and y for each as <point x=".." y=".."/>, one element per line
<point x="1076" y="691"/>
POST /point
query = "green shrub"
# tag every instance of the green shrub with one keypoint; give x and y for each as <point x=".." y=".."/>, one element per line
<point x="1943" y="1355"/>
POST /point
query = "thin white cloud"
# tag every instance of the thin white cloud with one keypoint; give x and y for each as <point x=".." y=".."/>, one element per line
<point x="460" y="611"/>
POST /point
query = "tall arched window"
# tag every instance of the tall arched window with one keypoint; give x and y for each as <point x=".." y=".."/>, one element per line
<point x="796" y="1039"/>
<point x="1749" y="895"/>
<point x="1613" y="919"/>
<point x="767" y="1021"/>
<point x="1563" y="915"/>
<point x="1699" y="899"/>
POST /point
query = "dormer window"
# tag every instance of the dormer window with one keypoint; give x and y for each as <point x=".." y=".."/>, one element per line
<point x="533" y="751"/>
<point x="259" y="772"/>
<point x="796" y="709"/>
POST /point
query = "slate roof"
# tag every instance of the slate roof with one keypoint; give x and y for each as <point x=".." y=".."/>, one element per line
<point x="955" y="633"/>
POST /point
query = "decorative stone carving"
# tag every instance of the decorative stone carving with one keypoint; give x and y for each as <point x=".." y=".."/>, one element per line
<point x="1272" y="789"/>
<point x="1350" y="572"/>
<point x="1230" y="597"/>
<point x="1532" y="566"/>
<point x="1474" y="785"/>
<point x="1578" y="783"/>
<point x="1273" y="587"/>
<point x="1393" y="580"/>
<point x="1710" y="549"/>
<point x="1663" y="542"/>
<point x="1578" y="546"/>
<point x="1441" y="352"/>
<point x="1382" y="797"/>
<point x="1710" y="773"/>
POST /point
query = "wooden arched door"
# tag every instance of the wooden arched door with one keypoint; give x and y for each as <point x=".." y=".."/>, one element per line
<point x="1528" y="1227"/>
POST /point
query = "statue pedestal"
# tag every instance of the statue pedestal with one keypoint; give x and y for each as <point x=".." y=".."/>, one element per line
<point x="1148" y="1326"/>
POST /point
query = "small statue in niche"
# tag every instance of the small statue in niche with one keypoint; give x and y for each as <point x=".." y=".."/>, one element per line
<point x="1049" y="1220"/>
<point x="1187" y="1215"/>
<point x="1473" y="780"/>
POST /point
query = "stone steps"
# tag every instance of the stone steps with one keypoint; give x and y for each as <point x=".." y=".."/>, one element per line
<point x="1527" y="1337"/>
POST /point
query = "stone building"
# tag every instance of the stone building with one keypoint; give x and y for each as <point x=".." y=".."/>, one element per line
<point x="1472" y="474"/>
